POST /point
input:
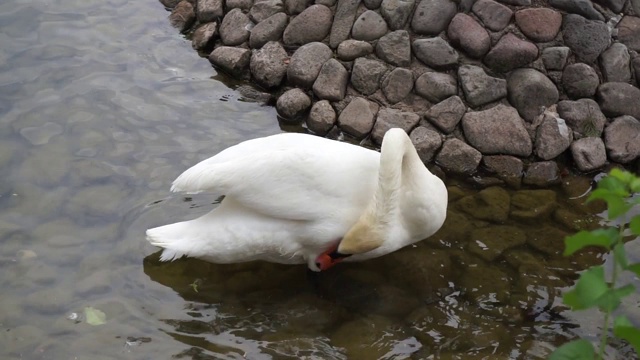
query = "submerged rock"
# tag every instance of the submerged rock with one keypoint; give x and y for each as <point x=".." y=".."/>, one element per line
<point x="490" y="242"/>
<point x="490" y="204"/>
<point x="533" y="205"/>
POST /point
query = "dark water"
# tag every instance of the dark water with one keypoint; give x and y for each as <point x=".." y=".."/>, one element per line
<point x="102" y="105"/>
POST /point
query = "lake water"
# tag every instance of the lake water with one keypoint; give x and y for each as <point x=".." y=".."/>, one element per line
<point x="103" y="104"/>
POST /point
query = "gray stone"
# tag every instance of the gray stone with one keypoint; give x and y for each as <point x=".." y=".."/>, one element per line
<point x="269" y="64"/>
<point x="555" y="57"/>
<point x="543" y="174"/>
<point x="395" y="48"/>
<point x="231" y="59"/>
<point x="331" y="83"/>
<point x="498" y="130"/>
<point x="431" y="17"/>
<point x="366" y="75"/>
<point x="306" y="62"/>
<point x="589" y="153"/>
<point x="209" y="10"/>
<point x="529" y="91"/>
<point x="295" y="7"/>
<point x="239" y="4"/>
<point x="392" y="118"/>
<point x="426" y="141"/>
<point x="629" y="31"/>
<point x="343" y="21"/>
<point x="170" y="4"/>
<point x="436" y="87"/>
<point x="614" y="5"/>
<point x="358" y="117"/>
<point x="618" y="99"/>
<point x="182" y="16"/>
<point x="321" y="118"/>
<point x="458" y="157"/>
<point x="553" y="137"/>
<point x="235" y="27"/>
<point x="466" y="33"/>
<point x="580" y="81"/>
<point x="516" y="2"/>
<point x="503" y="165"/>
<point x="349" y="50"/>
<point x="264" y="9"/>
<point x="311" y="25"/>
<point x="369" y="26"/>
<point x="292" y="104"/>
<point x="446" y="114"/>
<point x="372" y="4"/>
<point x="615" y="63"/>
<point x="510" y="52"/>
<point x="580" y="7"/>
<point x="635" y="63"/>
<point x="493" y="15"/>
<point x="586" y="38"/>
<point x="622" y="139"/>
<point x="204" y="35"/>
<point x="480" y="88"/>
<point x="269" y="29"/>
<point x="397" y="85"/>
<point x="396" y="12"/>
<point x="583" y="117"/>
<point x="539" y="24"/>
<point x="435" y="52"/>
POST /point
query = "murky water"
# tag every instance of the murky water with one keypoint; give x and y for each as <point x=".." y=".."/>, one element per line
<point x="102" y="105"/>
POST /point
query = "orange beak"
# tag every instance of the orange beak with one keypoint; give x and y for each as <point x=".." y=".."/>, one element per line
<point x="330" y="257"/>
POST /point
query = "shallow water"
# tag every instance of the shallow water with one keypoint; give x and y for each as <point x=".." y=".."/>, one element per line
<point x="102" y="105"/>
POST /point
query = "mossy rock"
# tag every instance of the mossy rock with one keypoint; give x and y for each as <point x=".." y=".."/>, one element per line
<point x="491" y="204"/>
<point x="533" y="205"/>
<point x="489" y="243"/>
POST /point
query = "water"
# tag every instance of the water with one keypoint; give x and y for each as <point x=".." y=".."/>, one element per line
<point x="102" y="105"/>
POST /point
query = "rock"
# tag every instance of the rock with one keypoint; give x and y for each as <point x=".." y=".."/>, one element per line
<point x="586" y="38"/>
<point x="169" y="4"/>
<point x="345" y="13"/>
<point x="614" y="5"/>
<point x="424" y="278"/>
<point x="436" y="87"/>
<point x="367" y="74"/>
<point x="264" y="9"/>
<point x="529" y="90"/>
<point x="306" y="62"/>
<point x="615" y="64"/>
<point x="516" y="2"/>
<point x="589" y="153"/>
<point x="369" y="26"/>
<point x="295" y="7"/>
<point x="435" y="52"/>
<point x="618" y="99"/>
<point x="51" y="301"/>
<point x="505" y="166"/>
<point x="493" y="15"/>
<point x="580" y="7"/>
<point x="583" y="117"/>
<point x="239" y="4"/>
<point x="490" y="242"/>
<point x="553" y="137"/>
<point x="372" y="4"/>
<point x="427" y="142"/>
<point x="509" y="53"/>
<point x="629" y="32"/>
<point x="487" y="286"/>
<point x="366" y="330"/>
<point x="358" y="117"/>
<point x="498" y="130"/>
<point x="349" y="50"/>
<point x="182" y="16"/>
<point x="622" y="139"/>
<point x="269" y="64"/>
<point x="580" y="80"/>
<point x="395" y="48"/>
<point x="397" y="85"/>
<point x="396" y="12"/>
<point x="491" y="204"/>
<point x="539" y="24"/>
<point x="331" y="83"/>
<point x="321" y="118"/>
<point x="555" y="57"/>
<point x="313" y="24"/>
<point x="235" y="27"/>
<point x="542" y="174"/>
<point x="470" y="36"/>
<point x="431" y="17"/>
<point x="392" y="118"/>
<point x="480" y="88"/>
<point x="204" y="36"/>
<point x="209" y="10"/>
<point x="635" y="63"/>
<point x="458" y="157"/>
<point x="446" y="114"/>
<point x="269" y="29"/>
<point x="533" y="204"/>
<point x="231" y="59"/>
<point x="547" y="239"/>
<point x="292" y="104"/>
<point x="96" y="202"/>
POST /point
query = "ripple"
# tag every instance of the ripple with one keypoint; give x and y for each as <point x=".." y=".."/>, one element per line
<point x="40" y="135"/>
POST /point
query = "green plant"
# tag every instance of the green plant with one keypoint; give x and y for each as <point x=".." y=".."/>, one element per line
<point x="592" y="290"/>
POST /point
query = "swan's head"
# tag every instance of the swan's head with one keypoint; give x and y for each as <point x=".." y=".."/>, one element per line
<point x="361" y="238"/>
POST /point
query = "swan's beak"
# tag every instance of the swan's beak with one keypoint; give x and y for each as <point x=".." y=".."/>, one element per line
<point x="330" y="257"/>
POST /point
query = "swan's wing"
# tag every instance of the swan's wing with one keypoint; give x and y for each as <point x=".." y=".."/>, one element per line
<point x="296" y="184"/>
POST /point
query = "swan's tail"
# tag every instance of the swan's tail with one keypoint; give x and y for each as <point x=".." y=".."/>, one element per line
<point x="174" y="238"/>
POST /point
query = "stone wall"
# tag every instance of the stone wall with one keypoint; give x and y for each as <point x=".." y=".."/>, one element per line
<point x="507" y="86"/>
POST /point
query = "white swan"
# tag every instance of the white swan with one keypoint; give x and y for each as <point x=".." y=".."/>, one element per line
<point x="295" y="198"/>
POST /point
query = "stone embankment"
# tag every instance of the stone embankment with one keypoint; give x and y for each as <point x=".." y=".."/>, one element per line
<point x="506" y="86"/>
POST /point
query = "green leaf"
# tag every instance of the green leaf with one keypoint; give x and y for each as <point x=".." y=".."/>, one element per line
<point x="610" y="300"/>
<point x="634" y="225"/>
<point x="599" y="237"/>
<point x="614" y="185"/>
<point x="575" y="350"/>
<point x="620" y="255"/>
<point x="588" y="290"/>
<point x="635" y="268"/>
<point x="623" y="329"/>
<point x="624" y="176"/>
<point x="616" y="203"/>
<point x="94" y="316"/>
<point x="635" y="185"/>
